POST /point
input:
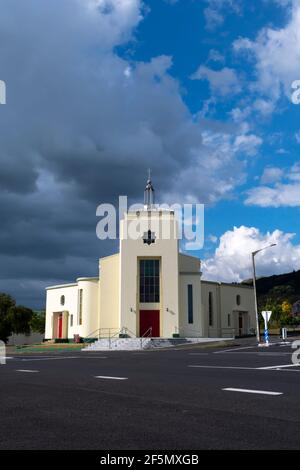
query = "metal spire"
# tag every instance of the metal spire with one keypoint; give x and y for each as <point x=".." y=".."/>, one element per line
<point x="149" y="193"/>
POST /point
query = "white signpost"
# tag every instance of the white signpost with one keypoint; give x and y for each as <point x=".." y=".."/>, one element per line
<point x="266" y="316"/>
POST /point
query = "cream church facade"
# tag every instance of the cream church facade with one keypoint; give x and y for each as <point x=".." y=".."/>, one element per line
<point x="149" y="289"/>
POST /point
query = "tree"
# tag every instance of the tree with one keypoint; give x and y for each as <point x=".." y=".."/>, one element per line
<point x="19" y="318"/>
<point x="37" y="322"/>
<point x="13" y="319"/>
<point x="286" y="307"/>
<point x="6" y="303"/>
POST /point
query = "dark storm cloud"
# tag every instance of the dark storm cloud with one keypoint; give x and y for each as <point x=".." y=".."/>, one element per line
<point x="81" y="126"/>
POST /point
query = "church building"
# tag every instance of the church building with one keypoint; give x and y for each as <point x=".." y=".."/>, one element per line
<point x="149" y="289"/>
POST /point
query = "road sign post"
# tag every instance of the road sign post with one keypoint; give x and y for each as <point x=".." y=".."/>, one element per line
<point x="266" y="316"/>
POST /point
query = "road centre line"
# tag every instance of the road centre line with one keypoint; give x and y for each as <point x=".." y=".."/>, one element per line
<point x="260" y="353"/>
<point x="198" y="354"/>
<point x="223" y="367"/>
<point x="272" y="368"/>
<point x="233" y="349"/>
<point x="49" y="358"/>
<point x="279" y="367"/>
<point x="245" y="390"/>
<point x="26" y="370"/>
<point x="110" y="378"/>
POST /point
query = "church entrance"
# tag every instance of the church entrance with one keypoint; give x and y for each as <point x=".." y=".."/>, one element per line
<point x="149" y="323"/>
<point x="60" y="325"/>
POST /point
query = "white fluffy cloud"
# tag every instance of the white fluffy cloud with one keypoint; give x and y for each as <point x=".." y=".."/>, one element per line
<point x="222" y="82"/>
<point x="215" y="11"/>
<point x="277" y="56"/>
<point x="271" y="175"/>
<point x="284" y="192"/>
<point x="232" y="259"/>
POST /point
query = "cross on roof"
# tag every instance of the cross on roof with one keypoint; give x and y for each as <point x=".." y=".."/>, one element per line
<point x="149" y="237"/>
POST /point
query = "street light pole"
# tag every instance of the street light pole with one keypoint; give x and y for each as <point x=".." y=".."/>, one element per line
<point x="255" y="299"/>
<point x="254" y="287"/>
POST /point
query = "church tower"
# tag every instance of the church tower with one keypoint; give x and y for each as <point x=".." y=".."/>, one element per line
<point x="149" y="269"/>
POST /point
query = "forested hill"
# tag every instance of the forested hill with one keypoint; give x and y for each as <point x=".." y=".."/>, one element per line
<point x="278" y="288"/>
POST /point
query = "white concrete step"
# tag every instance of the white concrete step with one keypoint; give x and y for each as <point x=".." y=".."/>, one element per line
<point x="133" y="344"/>
<point x="121" y="344"/>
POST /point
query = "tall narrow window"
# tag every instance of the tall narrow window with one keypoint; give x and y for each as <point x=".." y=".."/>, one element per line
<point x="190" y="304"/>
<point x="149" y="281"/>
<point x="71" y="320"/>
<point x="229" y="319"/>
<point x="80" y="293"/>
<point x="210" y="309"/>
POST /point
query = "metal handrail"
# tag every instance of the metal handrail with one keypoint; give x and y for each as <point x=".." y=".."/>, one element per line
<point x="147" y="334"/>
<point x="123" y="331"/>
<point x="127" y="330"/>
<point x="99" y="331"/>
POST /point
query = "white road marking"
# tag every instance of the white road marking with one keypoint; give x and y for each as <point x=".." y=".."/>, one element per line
<point x="278" y="367"/>
<point x="26" y="370"/>
<point x="224" y="367"/>
<point x="233" y="349"/>
<point x="245" y="390"/>
<point x="110" y="378"/>
<point x="95" y="357"/>
<point x="49" y="358"/>
<point x="259" y="353"/>
<point x="198" y="354"/>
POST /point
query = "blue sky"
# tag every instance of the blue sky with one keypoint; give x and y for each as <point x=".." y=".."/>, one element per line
<point x="198" y="90"/>
<point x="181" y="30"/>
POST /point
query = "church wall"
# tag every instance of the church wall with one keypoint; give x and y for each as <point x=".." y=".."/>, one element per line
<point x="196" y="328"/>
<point x="109" y="292"/>
<point x="225" y="309"/>
<point x="230" y="306"/>
<point x="90" y="290"/>
<point x="189" y="264"/>
<point x="53" y="305"/>
<point x="131" y="252"/>
<point x="70" y="309"/>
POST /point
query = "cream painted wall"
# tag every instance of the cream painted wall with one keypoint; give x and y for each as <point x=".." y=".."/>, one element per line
<point x="164" y="249"/>
<point x="90" y="307"/>
<point x="70" y="292"/>
<point x="189" y="264"/>
<point x="224" y="303"/>
<point x="196" y="328"/>
<point x="53" y="305"/>
<point x="109" y="292"/>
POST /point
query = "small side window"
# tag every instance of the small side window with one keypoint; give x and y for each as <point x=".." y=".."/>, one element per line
<point x="238" y="300"/>
<point x="62" y="300"/>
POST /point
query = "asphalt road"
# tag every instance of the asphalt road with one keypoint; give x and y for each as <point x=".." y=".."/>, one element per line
<point x="172" y="399"/>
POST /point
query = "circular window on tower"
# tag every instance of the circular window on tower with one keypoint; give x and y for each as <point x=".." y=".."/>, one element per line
<point x="238" y="300"/>
<point x="62" y="300"/>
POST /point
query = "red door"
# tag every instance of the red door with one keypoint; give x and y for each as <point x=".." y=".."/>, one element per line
<point x="60" y="325"/>
<point x="149" y="319"/>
